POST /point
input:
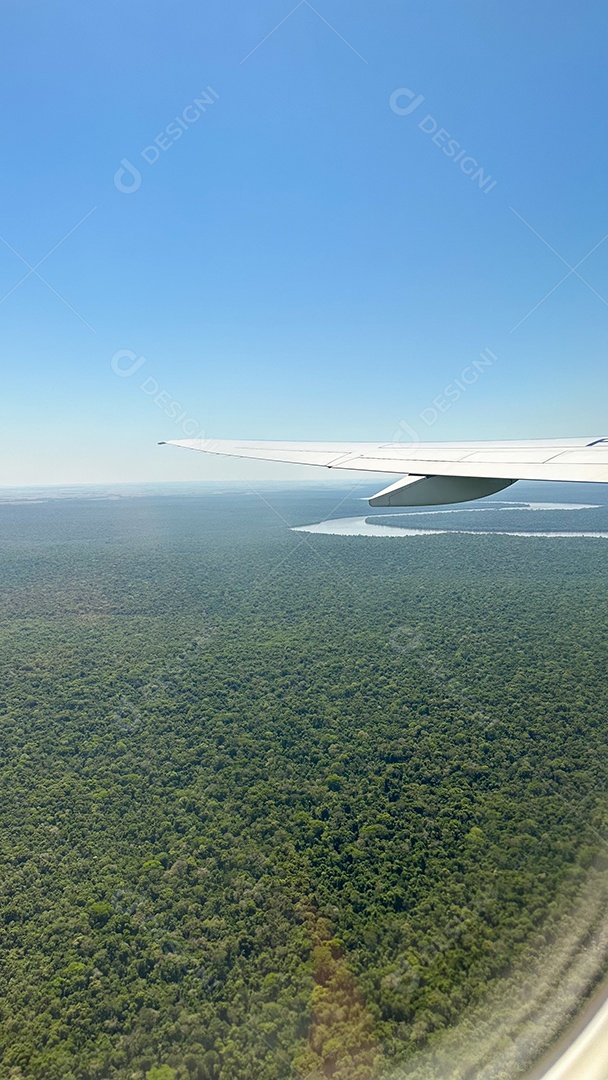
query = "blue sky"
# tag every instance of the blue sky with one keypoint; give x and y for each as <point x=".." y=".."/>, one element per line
<point x="303" y="261"/>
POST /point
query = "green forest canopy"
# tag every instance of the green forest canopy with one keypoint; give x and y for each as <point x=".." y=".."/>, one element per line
<point x="279" y="805"/>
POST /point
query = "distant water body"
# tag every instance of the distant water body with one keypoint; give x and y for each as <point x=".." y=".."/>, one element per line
<point x="360" y="526"/>
<point x="502" y="506"/>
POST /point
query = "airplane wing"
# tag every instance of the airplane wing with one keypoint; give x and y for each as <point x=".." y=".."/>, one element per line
<point x="434" y="473"/>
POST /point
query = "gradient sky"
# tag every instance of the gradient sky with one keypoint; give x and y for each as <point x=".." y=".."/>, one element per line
<point x="303" y="261"/>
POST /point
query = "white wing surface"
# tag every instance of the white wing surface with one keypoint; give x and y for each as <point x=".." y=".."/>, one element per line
<point x="435" y="473"/>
